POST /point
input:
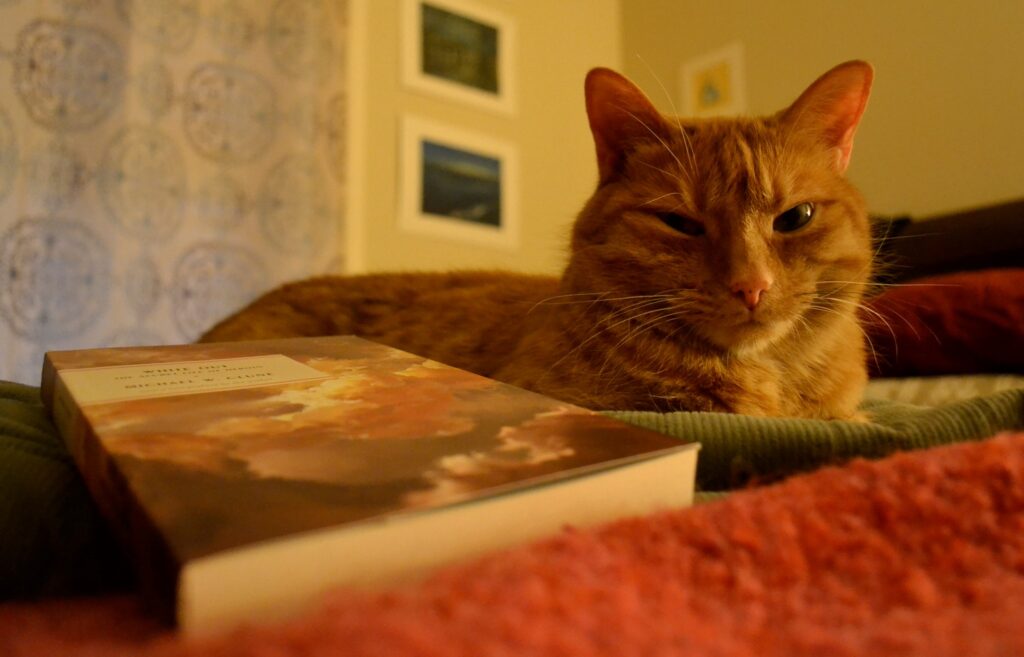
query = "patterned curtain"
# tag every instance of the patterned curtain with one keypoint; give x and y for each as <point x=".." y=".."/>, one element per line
<point x="161" y="163"/>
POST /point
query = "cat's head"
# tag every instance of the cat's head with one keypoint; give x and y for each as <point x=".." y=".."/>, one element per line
<point x="747" y="226"/>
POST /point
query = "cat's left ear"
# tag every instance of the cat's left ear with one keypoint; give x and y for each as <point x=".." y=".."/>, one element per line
<point x="832" y="107"/>
<point x="620" y="117"/>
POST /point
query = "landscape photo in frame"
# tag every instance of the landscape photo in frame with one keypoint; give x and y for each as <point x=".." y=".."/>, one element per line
<point x="458" y="185"/>
<point x="459" y="50"/>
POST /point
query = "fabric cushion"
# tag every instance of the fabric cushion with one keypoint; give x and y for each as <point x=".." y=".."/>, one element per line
<point x="962" y="323"/>
<point x="52" y="539"/>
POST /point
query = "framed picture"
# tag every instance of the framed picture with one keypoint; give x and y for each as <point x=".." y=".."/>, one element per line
<point x="714" y="84"/>
<point x="458" y="185"/>
<point x="459" y="50"/>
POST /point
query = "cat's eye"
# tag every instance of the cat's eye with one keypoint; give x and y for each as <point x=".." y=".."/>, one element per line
<point x="794" y="218"/>
<point x="682" y="224"/>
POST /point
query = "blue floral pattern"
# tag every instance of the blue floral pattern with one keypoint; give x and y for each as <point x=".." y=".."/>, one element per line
<point x="162" y="162"/>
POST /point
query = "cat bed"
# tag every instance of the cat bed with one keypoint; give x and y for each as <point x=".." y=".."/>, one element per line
<point x="55" y="542"/>
<point x="921" y="554"/>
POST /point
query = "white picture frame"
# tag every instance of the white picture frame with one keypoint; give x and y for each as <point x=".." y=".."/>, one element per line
<point x="458" y="185"/>
<point x="472" y="63"/>
<point x="714" y="84"/>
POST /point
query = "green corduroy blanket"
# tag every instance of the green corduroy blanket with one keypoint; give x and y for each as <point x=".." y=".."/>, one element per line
<point x="53" y="541"/>
<point x="737" y="449"/>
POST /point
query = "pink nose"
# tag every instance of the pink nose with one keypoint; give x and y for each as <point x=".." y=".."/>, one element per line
<point x="751" y="291"/>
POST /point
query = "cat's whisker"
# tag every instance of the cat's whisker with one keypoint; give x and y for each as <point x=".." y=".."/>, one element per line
<point x="691" y="154"/>
<point x="850" y="282"/>
<point x="867" y="284"/>
<point x="656" y="136"/>
<point x="566" y="296"/>
<point x="656" y="168"/>
<point x="805" y="323"/>
<point x="882" y="240"/>
<point x="595" y="301"/>
<point x="658" y="198"/>
<point x="874" y="256"/>
<point x="593" y="297"/>
<point x="913" y="327"/>
<point x="680" y="326"/>
<point x="842" y="285"/>
<point x="689" y="148"/>
<point x="889" y="308"/>
<point x="647" y="325"/>
<point x="550" y="301"/>
<point x="633" y="315"/>
<point x="888" y="238"/>
<point x="871" y="261"/>
<point x="909" y="324"/>
<point x="629" y="336"/>
<point x="553" y="301"/>
<point x="630" y="311"/>
<point x="867" y="336"/>
<point x="633" y="334"/>
<point x="877" y="317"/>
<point x="602" y="325"/>
<point x="874" y="313"/>
<point x="790" y="130"/>
<point x="687" y="143"/>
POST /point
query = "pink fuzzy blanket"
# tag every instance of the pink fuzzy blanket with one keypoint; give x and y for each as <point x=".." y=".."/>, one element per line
<point x="918" y="554"/>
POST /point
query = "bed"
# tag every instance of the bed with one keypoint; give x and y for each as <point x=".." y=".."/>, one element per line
<point x="903" y="535"/>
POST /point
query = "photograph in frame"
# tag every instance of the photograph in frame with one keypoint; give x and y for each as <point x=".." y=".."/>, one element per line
<point x="458" y="185"/>
<point x="460" y="51"/>
<point x="714" y="84"/>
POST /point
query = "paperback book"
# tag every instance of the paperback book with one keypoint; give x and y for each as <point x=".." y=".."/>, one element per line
<point x="246" y="479"/>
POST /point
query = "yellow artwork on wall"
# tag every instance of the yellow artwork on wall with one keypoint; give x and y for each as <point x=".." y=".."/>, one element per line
<point x="713" y="84"/>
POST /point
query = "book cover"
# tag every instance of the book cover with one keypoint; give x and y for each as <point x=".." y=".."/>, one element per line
<point x="247" y="477"/>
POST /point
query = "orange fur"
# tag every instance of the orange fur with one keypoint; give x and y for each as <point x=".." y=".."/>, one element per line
<point x="729" y="314"/>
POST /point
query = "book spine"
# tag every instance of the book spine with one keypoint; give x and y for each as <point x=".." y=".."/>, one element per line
<point x="155" y="566"/>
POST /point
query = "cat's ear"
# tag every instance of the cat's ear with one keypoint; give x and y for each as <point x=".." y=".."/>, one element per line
<point x="620" y="116"/>
<point x="832" y="107"/>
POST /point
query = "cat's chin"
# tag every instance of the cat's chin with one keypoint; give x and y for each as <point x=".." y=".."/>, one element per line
<point x="749" y="337"/>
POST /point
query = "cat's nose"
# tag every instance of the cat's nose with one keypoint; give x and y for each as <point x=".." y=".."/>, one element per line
<point x="751" y="291"/>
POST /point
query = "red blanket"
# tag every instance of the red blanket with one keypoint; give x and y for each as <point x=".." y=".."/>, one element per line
<point x="917" y="554"/>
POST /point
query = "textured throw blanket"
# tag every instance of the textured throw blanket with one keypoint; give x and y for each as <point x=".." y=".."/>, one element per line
<point x="921" y="553"/>
<point x="737" y="449"/>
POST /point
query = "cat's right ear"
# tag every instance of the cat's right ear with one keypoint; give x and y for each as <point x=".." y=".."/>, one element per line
<point x="832" y="107"/>
<point x="620" y="116"/>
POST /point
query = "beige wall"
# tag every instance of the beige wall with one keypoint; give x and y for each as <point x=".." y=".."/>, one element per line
<point x="945" y="127"/>
<point x="558" y="41"/>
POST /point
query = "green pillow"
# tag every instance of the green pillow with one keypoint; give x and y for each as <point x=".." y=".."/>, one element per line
<point x="52" y="539"/>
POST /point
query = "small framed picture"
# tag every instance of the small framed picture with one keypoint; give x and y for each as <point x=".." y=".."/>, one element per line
<point x="714" y="84"/>
<point x="458" y="185"/>
<point x="459" y="50"/>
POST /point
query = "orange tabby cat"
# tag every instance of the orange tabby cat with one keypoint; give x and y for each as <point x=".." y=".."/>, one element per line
<point x="718" y="266"/>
